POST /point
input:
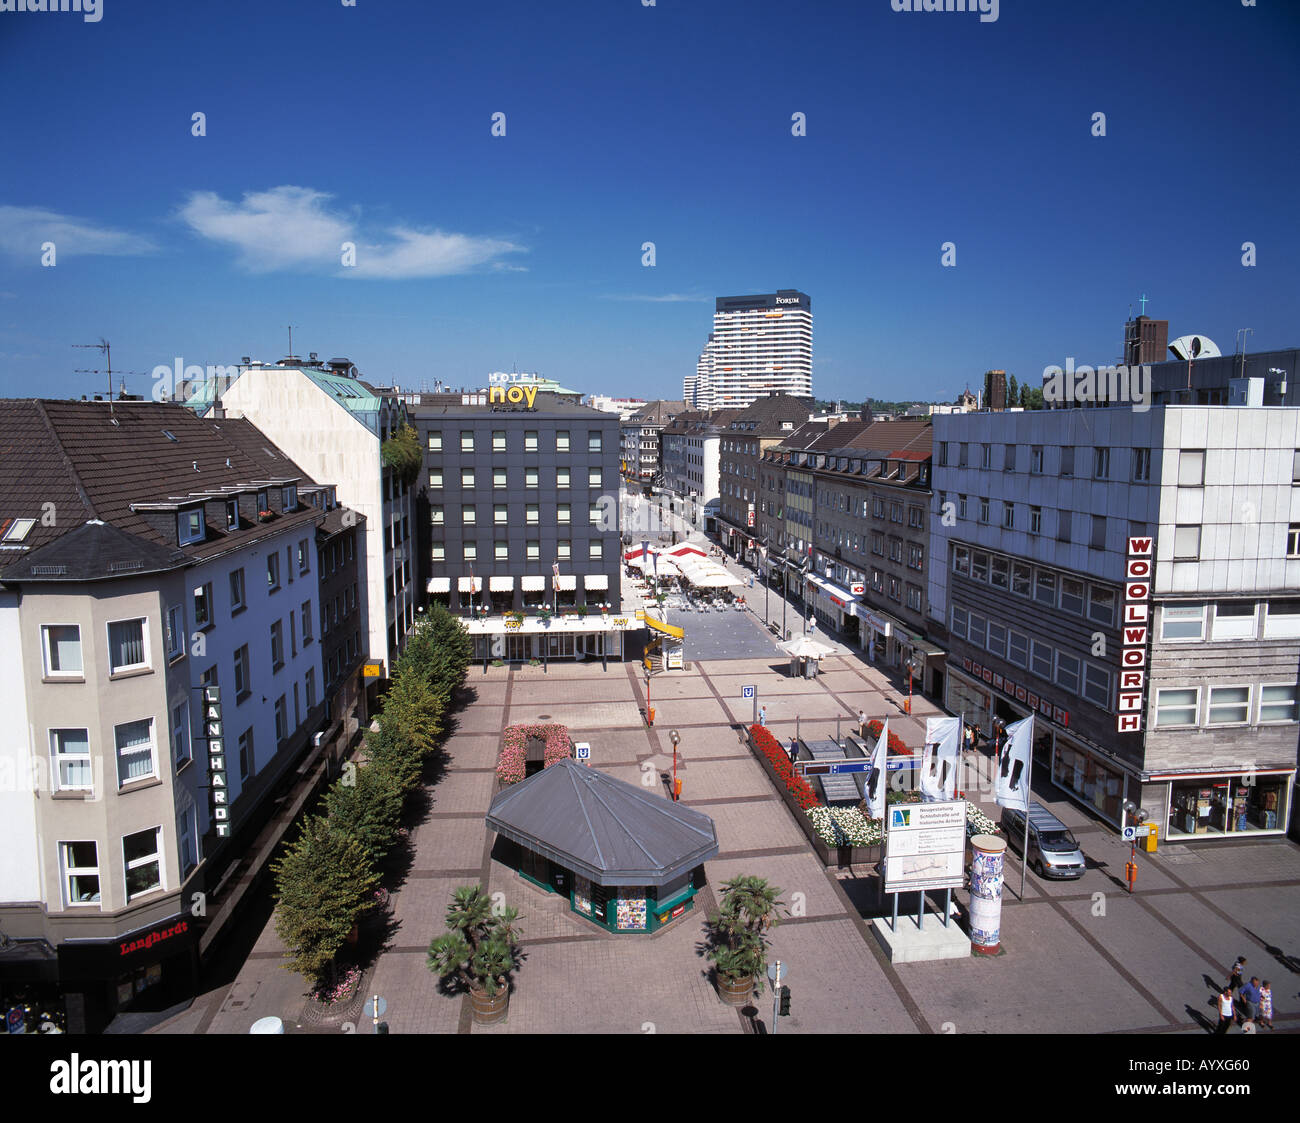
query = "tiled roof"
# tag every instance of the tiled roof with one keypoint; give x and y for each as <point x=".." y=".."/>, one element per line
<point x="658" y="412"/>
<point x="770" y="413"/>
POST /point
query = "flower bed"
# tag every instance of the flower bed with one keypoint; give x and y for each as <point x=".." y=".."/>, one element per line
<point x="512" y="761"/>
<point x="795" y="784"/>
<point x="979" y="823"/>
<point x="342" y="991"/>
<point x="844" y="826"/>
<point x="896" y="746"/>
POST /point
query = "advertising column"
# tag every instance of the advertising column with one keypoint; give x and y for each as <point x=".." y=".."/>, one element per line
<point x="986" y="879"/>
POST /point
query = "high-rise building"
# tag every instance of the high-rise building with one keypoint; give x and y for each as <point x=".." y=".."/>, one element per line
<point x="759" y="345"/>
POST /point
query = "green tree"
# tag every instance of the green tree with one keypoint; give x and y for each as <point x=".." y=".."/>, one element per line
<point x="1013" y="390"/>
<point x="370" y="809"/>
<point x="479" y="949"/>
<point x="401" y="452"/>
<point x="324" y="881"/>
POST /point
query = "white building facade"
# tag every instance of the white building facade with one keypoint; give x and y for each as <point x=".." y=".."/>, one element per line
<point x="759" y="345"/>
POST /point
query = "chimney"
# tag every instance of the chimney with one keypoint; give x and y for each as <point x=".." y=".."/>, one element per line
<point x="831" y="422"/>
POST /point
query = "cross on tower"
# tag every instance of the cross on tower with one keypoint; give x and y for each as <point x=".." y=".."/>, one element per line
<point x="1144" y="303"/>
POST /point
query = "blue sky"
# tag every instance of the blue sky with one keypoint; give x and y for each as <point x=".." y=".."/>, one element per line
<point x="626" y="124"/>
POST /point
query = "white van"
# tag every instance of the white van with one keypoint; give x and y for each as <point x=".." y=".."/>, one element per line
<point x="1053" y="851"/>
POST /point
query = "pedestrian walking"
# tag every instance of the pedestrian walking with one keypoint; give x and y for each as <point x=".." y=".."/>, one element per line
<point x="1266" y="1005"/>
<point x="1234" y="977"/>
<point x="1249" y="997"/>
<point x="1226" y="1013"/>
<point x="794" y="750"/>
<point x="862" y="724"/>
<point x="762" y="716"/>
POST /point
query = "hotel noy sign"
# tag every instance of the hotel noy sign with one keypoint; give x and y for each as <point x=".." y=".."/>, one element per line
<point x="218" y="790"/>
<point x="1136" y="628"/>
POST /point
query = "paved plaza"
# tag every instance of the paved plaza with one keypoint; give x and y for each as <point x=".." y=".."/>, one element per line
<point x="1081" y="956"/>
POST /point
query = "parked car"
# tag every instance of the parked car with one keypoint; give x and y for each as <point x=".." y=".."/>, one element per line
<point x="1053" y="851"/>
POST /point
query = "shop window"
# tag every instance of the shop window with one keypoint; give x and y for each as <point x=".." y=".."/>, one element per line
<point x="1022" y="579"/>
<point x="999" y="572"/>
<point x="1096" y="684"/>
<point x="978" y="630"/>
<point x="1182" y="621"/>
<point x="1176" y="706"/>
<point x="1277" y="703"/>
<point x="1042" y="665"/>
<point x="1018" y="649"/>
<point x="1234" y="620"/>
<point x="1282" y="619"/>
<point x="1067" y="672"/>
<point x="979" y="566"/>
<point x="997" y="644"/>
<point x="1229" y="705"/>
<point x="1072" y="596"/>
<point x="1101" y="605"/>
<point x="1045" y="588"/>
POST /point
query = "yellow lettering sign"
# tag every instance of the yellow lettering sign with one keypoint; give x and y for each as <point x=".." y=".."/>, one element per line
<point x="513" y="395"/>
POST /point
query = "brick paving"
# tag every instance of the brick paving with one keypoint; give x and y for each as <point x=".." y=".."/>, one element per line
<point x="1080" y="956"/>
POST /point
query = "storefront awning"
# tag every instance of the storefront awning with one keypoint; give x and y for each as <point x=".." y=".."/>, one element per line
<point x="440" y="584"/>
<point x="596" y="581"/>
<point x="531" y="583"/>
<point x="1160" y="776"/>
<point x="501" y="584"/>
<point x="565" y="582"/>
<point x="837" y="592"/>
<point x="881" y="624"/>
<point x="469" y="584"/>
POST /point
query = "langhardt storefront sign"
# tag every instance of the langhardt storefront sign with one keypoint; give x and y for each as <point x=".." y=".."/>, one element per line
<point x="1136" y="629"/>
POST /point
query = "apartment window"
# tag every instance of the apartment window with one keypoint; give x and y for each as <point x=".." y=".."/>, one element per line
<point x="438" y="552"/>
<point x="309" y="688"/>
<point x="175" y="632"/>
<point x="135" y="751"/>
<point x="1045" y="588"/>
<point x="277" y="645"/>
<point x="436" y="514"/>
<point x="143" y="866"/>
<point x="306" y="622"/>
<point x="499" y="440"/>
<point x="895" y="589"/>
<point x="182" y="749"/>
<point x="501" y="551"/>
<point x="896" y="549"/>
<point x="943" y="453"/>
<point x="127" y="648"/>
<point x="1141" y="465"/>
<point x="236" y="590"/>
<point x="1101" y="605"/>
<point x="435" y="442"/>
<point x="1009" y="516"/>
<point x="1277" y="703"/>
<point x="187" y="834"/>
<point x="1282" y="619"/>
<point x="1182" y="621"/>
<point x="1072" y="596"/>
<point x="562" y="440"/>
<point x="281" y="720"/>
<point x="986" y="456"/>
<point x="978" y="634"/>
<point x="895" y="512"/>
<point x="1067" y="672"/>
<point x="468" y="515"/>
<point x="203" y="605"/>
<point x="466" y="440"/>
<point x="1022" y="580"/>
<point x="878" y="543"/>
<point x="997" y="642"/>
<point x="534" y="550"/>
<point x="915" y="554"/>
<point x="232" y="514"/>
<point x="467" y="477"/>
<point x="562" y="513"/>
<point x="1293" y="541"/>
<point x="999" y="572"/>
<point x="530" y="440"/>
<point x="1229" y="705"/>
<point x="1187" y="542"/>
<point x="289" y="498"/>
<point x="263" y="501"/>
<point x="500" y="514"/>
<point x="70" y="753"/>
<point x="470" y="552"/>
<point x="1101" y="463"/>
<point x="435" y="478"/>
<point x="530" y="478"/>
<point x="498" y="477"/>
<point x="62" y="646"/>
<point x="1035" y="520"/>
<point x="914" y="598"/>
<point x="877" y="581"/>
<point x="1234" y="620"/>
<point x="960" y="560"/>
<point x="1098" y="538"/>
<point x="1067" y="460"/>
<point x="531" y="513"/>
<point x="1009" y="458"/>
<point x="304" y="557"/>
<point x="273" y="571"/>
<point x="964" y="455"/>
<point x="1191" y="467"/>
<point x="1042" y="663"/>
<point x="877" y="505"/>
<point x="1018" y="649"/>
<point x="979" y="566"/>
<point x="80" y="861"/>
<point x="564" y="549"/>
<point x="960" y="621"/>
<point x="190" y="527"/>
<point x="961" y="506"/>
<point x="1036" y="459"/>
<point x="561" y="477"/>
<point x="594" y="479"/>
<point x="596" y="550"/>
<point x="915" y="517"/>
<point x="593" y="442"/>
<point x="243" y="678"/>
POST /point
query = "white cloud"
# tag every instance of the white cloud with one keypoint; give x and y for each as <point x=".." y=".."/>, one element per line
<point x="23" y="229"/>
<point x="294" y="228"/>
<point x="665" y="298"/>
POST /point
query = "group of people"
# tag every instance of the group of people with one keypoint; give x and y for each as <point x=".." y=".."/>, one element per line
<point x="1248" y="1004"/>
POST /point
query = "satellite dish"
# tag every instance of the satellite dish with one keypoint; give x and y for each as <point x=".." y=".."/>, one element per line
<point x="1195" y="347"/>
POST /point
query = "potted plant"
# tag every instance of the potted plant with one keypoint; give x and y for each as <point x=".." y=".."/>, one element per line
<point x="477" y="954"/>
<point x="581" y="610"/>
<point x="736" y="942"/>
<point x="264" y="516"/>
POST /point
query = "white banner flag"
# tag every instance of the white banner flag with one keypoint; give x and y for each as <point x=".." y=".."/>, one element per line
<point x="1011" y="781"/>
<point x="939" y="761"/>
<point x="877" y="777"/>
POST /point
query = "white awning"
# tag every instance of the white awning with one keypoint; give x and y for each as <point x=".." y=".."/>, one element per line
<point x="440" y="584"/>
<point x="532" y="584"/>
<point x="469" y="584"/>
<point x="501" y="584"/>
<point x="564" y="582"/>
<point x="596" y="581"/>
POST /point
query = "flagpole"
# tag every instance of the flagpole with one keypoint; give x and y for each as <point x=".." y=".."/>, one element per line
<point x="1029" y="792"/>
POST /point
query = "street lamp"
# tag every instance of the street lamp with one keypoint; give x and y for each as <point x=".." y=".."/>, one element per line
<point x="767" y="576"/>
<point x="913" y="668"/>
<point x="675" y="737"/>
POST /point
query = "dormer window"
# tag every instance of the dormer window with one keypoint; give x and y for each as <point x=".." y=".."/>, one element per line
<point x="190" y="526"/>
<point x="232" y="514"/>
<point x="289" y="498"/>
<point x="263" y="502"/>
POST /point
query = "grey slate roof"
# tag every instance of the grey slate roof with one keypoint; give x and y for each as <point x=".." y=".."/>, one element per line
<point x="609" y="831"/>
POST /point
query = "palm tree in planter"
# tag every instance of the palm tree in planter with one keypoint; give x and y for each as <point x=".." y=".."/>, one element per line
<point x="736" y="941"/>
<point x="479" y="952"/>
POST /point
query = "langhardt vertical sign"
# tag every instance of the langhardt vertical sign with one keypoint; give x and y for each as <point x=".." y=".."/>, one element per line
<point x="1136" y="631"/>
<point x="216" y="741"/>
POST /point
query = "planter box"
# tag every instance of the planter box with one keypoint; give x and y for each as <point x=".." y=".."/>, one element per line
<point x="831" y="856"/>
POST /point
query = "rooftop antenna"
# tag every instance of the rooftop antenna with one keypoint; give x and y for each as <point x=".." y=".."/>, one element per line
<point x="1241" y="335"/>
<point x="291" y="327"/>
<point x="103" y="346"/>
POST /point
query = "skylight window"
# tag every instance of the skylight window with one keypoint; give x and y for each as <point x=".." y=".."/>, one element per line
<point x="171" y="436"/>
<point x="18" y="530"/>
